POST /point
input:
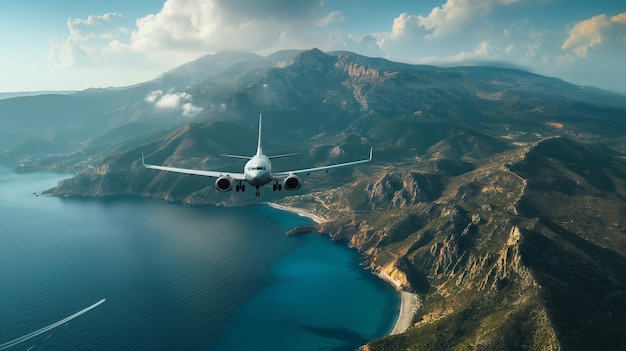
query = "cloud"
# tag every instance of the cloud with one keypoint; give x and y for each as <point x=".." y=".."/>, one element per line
<point x="89" y="40"/>
<point x="407" y="26"/>
<point x="362" y="44"/>
<point x="456" y="14"/>
<point x="211" y="25"/>
<point x="592" y="32"/>
<point x="173" y="101"/>
<point x="153" y="96"/>
<point x="170" y="101"/>
<point x="332" y="18"/>
<point x="483" y="53"/>
<point x="189" y="110"/>
<point x="202" y="26"/>
<point x="456" y="25"/>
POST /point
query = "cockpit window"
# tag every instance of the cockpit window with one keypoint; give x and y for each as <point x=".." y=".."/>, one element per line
<point x="256" y="168"/>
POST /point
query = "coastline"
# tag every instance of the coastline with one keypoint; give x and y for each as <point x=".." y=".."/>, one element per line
<point x="409" y="302"/>
<point x="304" y="213"/>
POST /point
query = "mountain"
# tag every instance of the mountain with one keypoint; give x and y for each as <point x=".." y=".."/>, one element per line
<point x="77" y="130"/>
<point x="195" y="72"/>
<point x="524" y="252"/>
<point x="496" y="195"/>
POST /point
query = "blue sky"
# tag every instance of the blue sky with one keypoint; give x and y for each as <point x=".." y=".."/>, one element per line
<point x="73" y="45"/>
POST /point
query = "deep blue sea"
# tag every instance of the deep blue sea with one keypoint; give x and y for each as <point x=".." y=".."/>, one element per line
<point x="176" y="277"/>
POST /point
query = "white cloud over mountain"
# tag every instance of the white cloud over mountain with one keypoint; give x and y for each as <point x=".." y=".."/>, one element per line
<point x="205" y="26"/>
<point x="173" y="101"/>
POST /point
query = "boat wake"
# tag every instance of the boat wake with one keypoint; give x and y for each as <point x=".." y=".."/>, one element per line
<point x="31" y="335"/>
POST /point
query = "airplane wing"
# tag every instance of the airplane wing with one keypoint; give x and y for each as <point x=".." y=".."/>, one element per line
<point x="323" y="168"/>
<point x="214" y="174"/>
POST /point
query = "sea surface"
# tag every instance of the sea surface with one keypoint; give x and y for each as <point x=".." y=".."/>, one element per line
<point x="176" y="277"/>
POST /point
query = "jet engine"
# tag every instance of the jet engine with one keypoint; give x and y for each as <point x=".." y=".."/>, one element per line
<point x="292" y="182"/>
<point x="224" y="183"/>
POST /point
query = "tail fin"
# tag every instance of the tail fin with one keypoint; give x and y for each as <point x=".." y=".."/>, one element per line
<point x="259" y="148"/>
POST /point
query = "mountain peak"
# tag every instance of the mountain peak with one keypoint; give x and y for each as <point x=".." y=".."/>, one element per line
<point x="203" y="68"/>
<point x="312" y="59"/>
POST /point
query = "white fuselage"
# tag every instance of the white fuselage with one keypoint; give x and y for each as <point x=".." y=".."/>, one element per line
<point x="258" y="171"/>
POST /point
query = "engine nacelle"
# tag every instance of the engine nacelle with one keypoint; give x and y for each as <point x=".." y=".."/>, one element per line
<point x="292" y="182"/>
<point x="224" y="183"/>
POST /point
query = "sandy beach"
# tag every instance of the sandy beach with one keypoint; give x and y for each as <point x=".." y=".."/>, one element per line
<point x="408" y="306"/>
<point x="298" y="211"/>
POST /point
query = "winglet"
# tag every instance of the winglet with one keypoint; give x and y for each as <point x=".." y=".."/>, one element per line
<point x="371" y="152"/>
<point x="143" y="162"/>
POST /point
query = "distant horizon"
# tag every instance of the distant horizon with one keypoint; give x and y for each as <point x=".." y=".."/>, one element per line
<point x="497" y="65"/>
<point x="34" y="92"/>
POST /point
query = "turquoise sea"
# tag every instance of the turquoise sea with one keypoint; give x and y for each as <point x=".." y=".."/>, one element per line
<point x="176" y="277"/>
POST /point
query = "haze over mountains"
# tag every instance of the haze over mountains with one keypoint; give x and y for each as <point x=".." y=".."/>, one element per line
<point x="496" y="194"/>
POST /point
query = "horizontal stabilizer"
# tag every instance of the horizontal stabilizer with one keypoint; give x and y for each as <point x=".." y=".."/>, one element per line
<point x="237" y="156"/>
<point x="283" y="155"/>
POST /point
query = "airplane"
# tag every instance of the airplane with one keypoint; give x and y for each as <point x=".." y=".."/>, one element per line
<point x="257" y="172"/>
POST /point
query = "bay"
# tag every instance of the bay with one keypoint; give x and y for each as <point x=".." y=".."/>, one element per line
<point x="176" y="277"/>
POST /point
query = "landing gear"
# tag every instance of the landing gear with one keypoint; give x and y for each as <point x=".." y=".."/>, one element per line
<point x="240" y="186"/>
<point x="257" y="194"/>
<point x="277" y="186"/>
